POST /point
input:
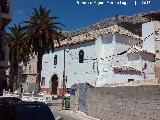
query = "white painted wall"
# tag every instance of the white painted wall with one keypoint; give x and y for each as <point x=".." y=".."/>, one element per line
<point x="48" y="68"/>
<point x="137" y="60"/>
<point x="149" y="59"/>
<point x="123" y="77"/>
<point x="104" y="64"/>
<point x="81" y="72"/>
<point x="76" y="72"/>
<point x="112" y="45"/>
<point x="147" y="29"/>
<point x="97" y="68"/>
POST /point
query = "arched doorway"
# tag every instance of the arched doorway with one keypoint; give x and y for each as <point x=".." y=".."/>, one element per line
<point x="54" y="83"/>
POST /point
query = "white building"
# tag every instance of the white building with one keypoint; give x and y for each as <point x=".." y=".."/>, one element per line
<point x="103" y="57"/>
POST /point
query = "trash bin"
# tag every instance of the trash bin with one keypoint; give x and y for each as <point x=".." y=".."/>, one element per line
<point x="67" y="102"/>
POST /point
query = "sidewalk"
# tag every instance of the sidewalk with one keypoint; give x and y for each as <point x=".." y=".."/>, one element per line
<point x="77" y="115"/>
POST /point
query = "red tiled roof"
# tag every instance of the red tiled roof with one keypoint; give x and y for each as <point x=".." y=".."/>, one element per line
<point x="93" y="35"/>
<point x="126" y="68"/>
<point x="136" y="49"/>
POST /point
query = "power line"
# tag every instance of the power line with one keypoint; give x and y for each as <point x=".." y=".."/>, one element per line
<point x="121" y="53"/>
<point x="138" y="43"/>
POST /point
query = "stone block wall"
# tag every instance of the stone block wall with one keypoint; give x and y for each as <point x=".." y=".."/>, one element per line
<point x="124" y="103"/>
<point x="74" y="98"/>
<point x="74" y="102"/>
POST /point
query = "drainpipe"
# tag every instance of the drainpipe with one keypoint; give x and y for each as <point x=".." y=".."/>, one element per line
<point x="63" y="92"/>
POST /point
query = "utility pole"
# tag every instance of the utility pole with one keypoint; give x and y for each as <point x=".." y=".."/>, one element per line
<point x="64" y="53"/>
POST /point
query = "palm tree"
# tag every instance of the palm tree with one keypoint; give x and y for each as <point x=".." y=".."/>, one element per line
<point x="19" y="50"/>
<point x="43" y="32"/>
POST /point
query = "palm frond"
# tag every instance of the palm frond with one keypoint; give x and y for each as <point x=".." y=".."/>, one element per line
<point x="41" y="26"/>
<point x="17" y="42"/>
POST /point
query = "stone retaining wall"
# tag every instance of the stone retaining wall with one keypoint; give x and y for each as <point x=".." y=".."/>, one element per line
<point x="124" y="103"/>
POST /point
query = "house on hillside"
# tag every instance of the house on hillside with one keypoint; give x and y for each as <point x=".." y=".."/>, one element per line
<point x="107" y="56"/>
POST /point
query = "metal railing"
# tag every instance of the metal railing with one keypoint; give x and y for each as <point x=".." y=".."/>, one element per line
<point x="5" y="5"/>
<point x="5" y="9"/>
<point x="40" y="97"/>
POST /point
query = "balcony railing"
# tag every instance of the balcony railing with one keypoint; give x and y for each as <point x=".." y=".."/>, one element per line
<point x="25" y="71"/>
<point x="4" y="6"/>
<point x="3" y="2"/>
<point x="5" y="9"/>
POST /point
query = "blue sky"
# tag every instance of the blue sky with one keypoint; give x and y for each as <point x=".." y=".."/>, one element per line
<point x="75" y="14"/>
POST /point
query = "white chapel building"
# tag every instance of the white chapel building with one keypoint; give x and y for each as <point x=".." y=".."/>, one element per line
<point x="107" y="56"/>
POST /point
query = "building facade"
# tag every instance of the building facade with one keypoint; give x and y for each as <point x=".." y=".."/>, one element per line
<point x="5" y="18"/>
<point x="27" y="74"/>
<point x="108" y="56"/>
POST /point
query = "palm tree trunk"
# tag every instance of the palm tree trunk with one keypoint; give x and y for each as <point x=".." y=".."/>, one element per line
<point x="15" y="85"/>
<point x="13" y="74"/>
<point x="39" y="68"/>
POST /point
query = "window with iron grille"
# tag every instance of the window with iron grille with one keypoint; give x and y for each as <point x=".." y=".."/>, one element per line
<point x="4" y="7"/>
<point x="129" y="80"/>
<point x="55" y="60"/>
<point x="157" y="51"/>
<point x="81" y="56"/>
<point x="43" y="81"/>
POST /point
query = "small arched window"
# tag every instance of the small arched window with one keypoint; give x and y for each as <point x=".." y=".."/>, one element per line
<point x="55" y="60"/>
<point x="81" y="56"/>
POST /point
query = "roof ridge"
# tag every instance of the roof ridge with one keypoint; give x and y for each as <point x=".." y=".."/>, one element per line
<point x="94" y="34"/>
<point x="138" y="49"/>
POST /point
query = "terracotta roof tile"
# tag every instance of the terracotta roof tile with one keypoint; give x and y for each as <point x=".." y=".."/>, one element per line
<point x="125" y="68"/>
<point x="136" y="49"/>
<point x="92" y="35"/>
